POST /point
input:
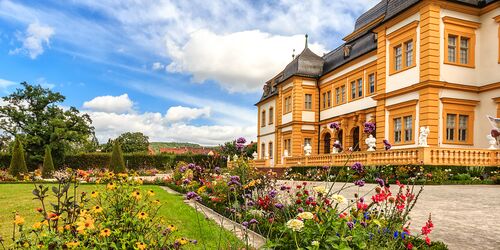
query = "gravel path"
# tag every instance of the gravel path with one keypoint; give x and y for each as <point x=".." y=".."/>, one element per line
<point x="464" y="216"/>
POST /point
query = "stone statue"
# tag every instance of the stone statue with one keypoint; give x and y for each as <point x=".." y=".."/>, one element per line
<point x="285" y="153"/>
<point x="228" y="158"/>
<point x="308" y="149"/>
<point x="492" y="141"/>
<point x="422" y="138"/>
<point x="255" y="155"/>
<point x="235" y="157"/>
<point x="336" y="147"/>
<point x="371" y="142"/>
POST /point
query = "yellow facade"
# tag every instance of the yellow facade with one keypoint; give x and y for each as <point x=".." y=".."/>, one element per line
<point x="429" y="66"/>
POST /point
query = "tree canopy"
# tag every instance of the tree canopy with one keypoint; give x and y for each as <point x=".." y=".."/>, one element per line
<point x="35" y="113"/>
<point x="130" y="142"/>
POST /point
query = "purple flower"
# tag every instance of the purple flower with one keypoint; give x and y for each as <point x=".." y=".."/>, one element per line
<point x="241" y="140"/>
<point x="240" y="146"/>
<point x="234" y="180"/>
<point x="369" y="127"/>
<point x="193" y="196"/>
<point x="361" y="199"/>
<point x="334" y="125"/>
<point x="250" y="203"/>
<point x="350" y="224"/>
<point x="279" y="206"/>
<point x="359" y="183"/>
<point x="191" y="166"/>
<point x="300" y="210"/>
<point x="273" y="193"/>
<point x="182" y="169"/>
<point x="380" y="181"/>
<point x="217" y="170"/>
<point x="363" y="223"/>
<point x="357" y="167"/>
<point x="245" y="224"/>
<point x="194" y="242"/>
<point x="387" y="145"/>
<point x="198" y="169"/>
<point x="253" y="221"/>
<point x="283" y="188"/>
<point x="186" y="181"/>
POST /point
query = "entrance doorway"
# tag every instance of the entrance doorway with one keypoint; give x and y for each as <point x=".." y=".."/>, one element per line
<point x="326" y="143"/>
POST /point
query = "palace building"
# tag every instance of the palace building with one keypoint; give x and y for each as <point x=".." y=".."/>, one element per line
<point x="408" y="64"/>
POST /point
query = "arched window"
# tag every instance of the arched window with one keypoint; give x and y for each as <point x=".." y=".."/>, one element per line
<point x="326" y="143"/>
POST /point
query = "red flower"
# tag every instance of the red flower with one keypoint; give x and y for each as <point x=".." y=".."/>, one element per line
<point x="299" y="186"/>
<point x="298" y="201"/>
<point x="427" y="229"/>
<point x="362" y="206"/>
<point x="427" y="240"/>
<point x="409" y="246"/>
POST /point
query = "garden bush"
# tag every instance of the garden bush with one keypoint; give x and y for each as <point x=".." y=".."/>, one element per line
<point x="48" y="164"/>
<point x="117" y="164"/>
<point x="18" y="163"/>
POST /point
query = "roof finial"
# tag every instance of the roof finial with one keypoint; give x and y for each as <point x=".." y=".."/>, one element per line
<point x="306" y="40"/>
<point x="293" y="54"/>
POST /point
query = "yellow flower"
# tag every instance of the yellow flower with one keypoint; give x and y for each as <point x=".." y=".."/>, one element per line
<point x="111" y="186"/>
<point x="45" y="223"/>
<point x="156" y="202"/>
<point x="19" y="220"/>
<point x="295" y="225"/>
<point x="73" y="244"/>
<point x="97" y="209"/>
<point x="37" y="225"/>
<point x="151" y="193"/>
<point x="67" y="227"/>
<point x="111" y="174"/>
<point x="139" y="181"/>
<point x="94" y="194"/>
<point x="171" y="228"/>
<point x="142" y="215"/>
<point x="201" y="190"/>
<point x="105" y="232"/>
<point x="84" y="224"/>
<point x="320" y="190"/>
<point x="306" y="215"/>
<point x="182" y="241"/>
<point x="141" y="245"/>
<point x="339" y="198"/>
<point x="60" y="228"/>
<point x="136" y="194"/>
<point x="122" y="175"/>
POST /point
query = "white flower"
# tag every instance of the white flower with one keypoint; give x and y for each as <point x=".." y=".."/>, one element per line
<point x="320" y="190"/>
<point x="306" y="215"/>
<point x="339" y="198"/>
<point x="295" y="225"/>
<point x="315" y="243"/>
<point x="256" y="213"/>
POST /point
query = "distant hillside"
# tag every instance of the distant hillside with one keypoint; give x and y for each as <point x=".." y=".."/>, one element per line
<point x="157" y="145"/>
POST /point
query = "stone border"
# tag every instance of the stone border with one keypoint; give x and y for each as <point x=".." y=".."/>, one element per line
<point x="255" y="240"/>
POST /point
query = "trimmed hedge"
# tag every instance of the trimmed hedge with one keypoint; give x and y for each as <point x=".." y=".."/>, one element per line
<point x="132" y="160"/>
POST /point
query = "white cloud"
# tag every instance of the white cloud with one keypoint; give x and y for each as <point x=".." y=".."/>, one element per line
<point x="240" y="61"/>
<point x="110" y="104"/>
<point x="36" y="36"/>
<point x="6" y="83"/>
<point x="157" y="66"/>
<point x="43" y="82"/>
<point x="180" y="113"/>
<point x="158" y="128"/>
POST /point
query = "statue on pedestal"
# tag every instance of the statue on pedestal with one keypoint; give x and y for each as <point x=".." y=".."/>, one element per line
<point x="371" y="142"/>
<point x="255" y="155"/>
<point x="285" y="153"/>
<point x="422" y="138"/>
<point x="307" y="149"/>
<point x="492" y="141"/>
<point x="336" y="147"/>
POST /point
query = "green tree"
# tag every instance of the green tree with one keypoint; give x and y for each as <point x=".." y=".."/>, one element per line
<point x="17" y="162"/>
<point x="48" y="164"/>
<point x="130" y="142"/>
<point x="117" y="164"/>
<point x="35" y="112"/>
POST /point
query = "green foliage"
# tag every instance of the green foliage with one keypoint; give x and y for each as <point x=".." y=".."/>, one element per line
<point x="34" y="112"/>
<point x="18" y="163"/>
<point x="48" y="164"/>
<point x="130" y="143"/>
<point x="117" y="164"/>
<point x="229" y="148"/>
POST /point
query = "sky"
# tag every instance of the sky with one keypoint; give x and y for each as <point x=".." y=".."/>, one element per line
<point x="175" y="70"/>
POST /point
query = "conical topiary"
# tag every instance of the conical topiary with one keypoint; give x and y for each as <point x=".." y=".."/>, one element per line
<point x="48" y="164"/>
<point x="117" y="163"/>
<point x="17" y="162"/>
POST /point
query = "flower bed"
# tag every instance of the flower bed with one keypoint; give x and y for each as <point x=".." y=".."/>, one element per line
<point x="306" y="217"/>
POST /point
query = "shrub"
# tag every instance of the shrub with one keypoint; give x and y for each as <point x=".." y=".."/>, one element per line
<point x="117" y="216"/>
<point x="18" y="163"/>
<point x="48" y="164"/>
<point x="117" y="164"/>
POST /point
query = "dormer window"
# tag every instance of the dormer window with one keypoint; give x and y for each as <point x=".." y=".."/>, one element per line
<point x="347" y="50"/>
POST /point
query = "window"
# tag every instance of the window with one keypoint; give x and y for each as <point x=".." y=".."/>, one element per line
<point x="288" y="104"/>
<point x="360" y="87"/>
<point x="307" y="141"/>
<point x="271" y="115"/>
<point x="340" y="95"/>
<point x="342" y="90"/>
<point x="397" y="130"/>
<point x="287" y="145"/>
<point x="497" y="19"/>
<point x="329" y="96"/>
<point x="324" y="100"/>
<point x="408" y="128"/>
<point x="270" y="150"/>
<point x="308" y="102"/>
<point x="353" y="90"/>
<point x="460" y="39"/>
<point x="263" y="119"/>
<point x="458" y="121"/>
<point x="409" y="53"/>
<point x="327" y="99"/>
<point x="337" y="96"/>
<point x="357" y="88"/>
<point x="371" y="83"/>
<point x="398" y="58"/>
<point x="262" y="150"/>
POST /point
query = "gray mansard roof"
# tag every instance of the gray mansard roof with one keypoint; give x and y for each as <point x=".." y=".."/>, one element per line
<point x="311" y="65"/>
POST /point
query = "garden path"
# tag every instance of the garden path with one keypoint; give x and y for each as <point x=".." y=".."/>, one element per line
<point x="464" y="216"/>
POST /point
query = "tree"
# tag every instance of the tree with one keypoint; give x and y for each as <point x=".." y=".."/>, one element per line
<point x="48" y="164"/>
<point x="17" y="162"/>
<point x="33" y="111"/>
<point x="117" y="164"/>
<point x="130" y="142"/>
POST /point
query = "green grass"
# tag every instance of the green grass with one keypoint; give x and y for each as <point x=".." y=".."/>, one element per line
<point x="18" y="197"/>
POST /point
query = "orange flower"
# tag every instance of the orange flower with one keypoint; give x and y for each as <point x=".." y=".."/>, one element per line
<point x="105" y="232"/>
<point x="141" y="245"/>
<point x="142" y="215"/>
<point x="137" y="195"/>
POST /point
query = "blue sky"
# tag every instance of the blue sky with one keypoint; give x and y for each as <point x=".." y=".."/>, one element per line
<point x="175" y="70"/>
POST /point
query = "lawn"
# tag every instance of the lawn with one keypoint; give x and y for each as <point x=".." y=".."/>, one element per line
<point x="18" y="197"/>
